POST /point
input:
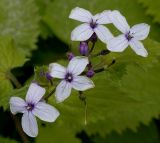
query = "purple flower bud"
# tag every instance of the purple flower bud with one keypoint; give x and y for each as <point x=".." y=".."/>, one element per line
<point x="83" y="48"/>
<point x="90" y="73"/>
<point x="70" y="56"/>
<point x="48" y="76"/>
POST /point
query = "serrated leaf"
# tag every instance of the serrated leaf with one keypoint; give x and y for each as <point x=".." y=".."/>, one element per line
<point x="20" y="19"/>
<point x="10" y="57"/>
<point x="44" y="29"/>
<point x="131" y="99"/>
<point x="121" y="103"/>
<point x="62" y="26"/>
<point x="52" y="133"/>
<point x="144" y="134"/>
<point x="152" y="8"/>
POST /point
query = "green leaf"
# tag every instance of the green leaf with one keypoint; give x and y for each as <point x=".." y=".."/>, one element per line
<point x="152" y="8"/>
<point x="44" y="28"/>
<point x="20" y="19"/>
<point x="125" y="95"/>
<point x="53" y="133"/>
<point x="10" y="57"/>
<point x="62" y="26"/>
<point x="7" y="140"/>
<point x="144" y="134"/>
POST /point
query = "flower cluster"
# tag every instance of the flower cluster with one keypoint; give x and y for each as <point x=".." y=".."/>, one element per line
<point x="93" y="26"/>
<point x="78" y="73"/>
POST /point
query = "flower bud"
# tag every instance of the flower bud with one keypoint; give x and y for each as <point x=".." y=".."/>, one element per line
<point x="90" y="73"/>
<point x="83" y="48"/>
<point x="48" y="76"/>
<point x="70" y="56"/>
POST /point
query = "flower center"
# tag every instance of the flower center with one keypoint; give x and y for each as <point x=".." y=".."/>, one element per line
<point x="128" y="36"/>
<point x="30" y="106"/>
<point x="93" y="24"/>
<point x="69" y="77"/>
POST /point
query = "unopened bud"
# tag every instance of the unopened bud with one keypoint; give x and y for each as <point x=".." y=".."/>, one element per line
<point x="48" y="76"/>
<point x="90" y="73"/>
<point x="70" y="56"/>
<point x="83" y="48"/>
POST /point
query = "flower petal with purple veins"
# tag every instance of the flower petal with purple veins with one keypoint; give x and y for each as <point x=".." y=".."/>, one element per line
<point x="77" y="65"/>
<point x="29" y="124"/>
<point x="46" y="112"/>
<point x="35" y="93"/>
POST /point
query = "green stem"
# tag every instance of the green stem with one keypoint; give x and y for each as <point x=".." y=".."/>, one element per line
<point x="19" y="129"/>
<point x="83" y="98"/>
<point x="14" y="80"/>
<point x="102" y="53"/>
<point x="15" y="118"/>
<point x="103" y="68"/>
<point x="93" y="44"/>
<point x="46" y="97"/>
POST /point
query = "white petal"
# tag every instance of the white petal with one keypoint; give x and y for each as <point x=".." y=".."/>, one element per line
<point x="140" y="31"/>
<point x="45" y="112"/>
<point x="34" y="93"/>
<point x="80" y="14"/>
<point x="103" y="18"/>
<point x="118" y="44"/>
<point x="57" y="70"/>
<point x="119" y="21"/>
<point x="63" y="91"/>
<point x="82" y="32"/>
<point x="82" y="83"/>
<point x="138" y="47"/>
<point x="103" y="33"/>
<point x="77" y="65"/>
<point x="17" y="105"/>
<point x="29" y="124"/>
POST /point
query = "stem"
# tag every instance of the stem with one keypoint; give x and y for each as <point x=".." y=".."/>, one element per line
<point x="93" y="44"/>
<point x="14" y="80"/>
<point x="19" y="129"/>
<point x="23" y="136"/>
<point x="102" y="53"/>
<point x="46" y="98"/>
<point x="83" y="98"/>
<point x="85" y="113"/>
<point x="103" y="69"/>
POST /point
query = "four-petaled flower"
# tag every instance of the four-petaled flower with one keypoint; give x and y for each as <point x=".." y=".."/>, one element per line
<point x="70" y="77"/>
<point x="92" y="24"/>
<point x="131" y="36"/>
<point x="33" y="106"/>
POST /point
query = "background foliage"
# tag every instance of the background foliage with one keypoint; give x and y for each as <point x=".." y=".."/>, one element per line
<point x="124" y="105"/>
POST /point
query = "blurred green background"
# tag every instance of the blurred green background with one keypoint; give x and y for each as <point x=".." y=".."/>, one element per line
<point x="124" y="107"/>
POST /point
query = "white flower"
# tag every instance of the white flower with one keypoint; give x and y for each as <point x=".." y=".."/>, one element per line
<point x="70" y="77"/>
<point x="131" y="36"/>
<point x="92" y="24"/>
<point x="31" y="107"/>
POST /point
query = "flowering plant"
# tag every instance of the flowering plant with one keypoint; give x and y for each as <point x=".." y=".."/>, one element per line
<point x="71" y="76"/>
<point x="99" y="76"/>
